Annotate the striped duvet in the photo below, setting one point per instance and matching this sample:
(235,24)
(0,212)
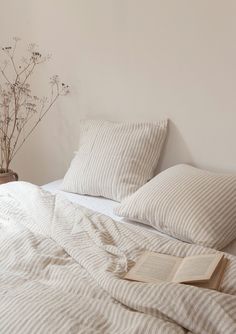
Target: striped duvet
(61,269)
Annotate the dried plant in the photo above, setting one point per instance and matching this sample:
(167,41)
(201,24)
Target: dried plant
(21,110)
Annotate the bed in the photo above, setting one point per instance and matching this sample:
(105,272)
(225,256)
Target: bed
(62,267)
(64,255)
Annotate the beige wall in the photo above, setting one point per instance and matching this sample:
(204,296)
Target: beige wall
(133,59)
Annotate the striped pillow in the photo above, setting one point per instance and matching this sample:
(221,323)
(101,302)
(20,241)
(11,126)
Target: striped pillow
(115,159)
(190,204)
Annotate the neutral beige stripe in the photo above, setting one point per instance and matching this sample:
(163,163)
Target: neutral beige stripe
(188,203)
(54,281)
(115,159)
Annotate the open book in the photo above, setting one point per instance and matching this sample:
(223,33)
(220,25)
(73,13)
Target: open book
(204,270)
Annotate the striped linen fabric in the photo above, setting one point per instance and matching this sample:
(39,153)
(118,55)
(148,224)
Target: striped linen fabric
(187,203)
(67,276)
(115,159)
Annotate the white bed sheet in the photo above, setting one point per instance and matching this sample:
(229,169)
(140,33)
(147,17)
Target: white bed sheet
(105,206)
(99,204)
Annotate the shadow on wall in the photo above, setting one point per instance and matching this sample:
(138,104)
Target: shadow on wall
(175,150)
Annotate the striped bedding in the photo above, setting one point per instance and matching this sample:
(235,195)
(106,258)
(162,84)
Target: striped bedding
(61,269)
(115,159)
(187,203)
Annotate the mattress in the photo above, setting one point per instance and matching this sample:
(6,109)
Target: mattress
(105,206)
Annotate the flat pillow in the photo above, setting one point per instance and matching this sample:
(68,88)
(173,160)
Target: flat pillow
(187,203)
(115,159)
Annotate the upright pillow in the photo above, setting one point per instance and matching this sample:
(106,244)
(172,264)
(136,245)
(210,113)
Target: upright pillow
(190,204)
(115,159)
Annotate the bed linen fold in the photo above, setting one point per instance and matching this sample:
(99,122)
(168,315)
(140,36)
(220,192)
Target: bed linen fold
(61,269)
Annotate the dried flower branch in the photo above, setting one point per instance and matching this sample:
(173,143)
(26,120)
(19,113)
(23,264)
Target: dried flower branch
(20,110)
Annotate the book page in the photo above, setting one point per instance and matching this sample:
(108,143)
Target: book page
(153,267)
(215,281)
(197,268)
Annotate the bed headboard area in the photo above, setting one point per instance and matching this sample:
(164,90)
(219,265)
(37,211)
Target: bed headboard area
(140,60)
